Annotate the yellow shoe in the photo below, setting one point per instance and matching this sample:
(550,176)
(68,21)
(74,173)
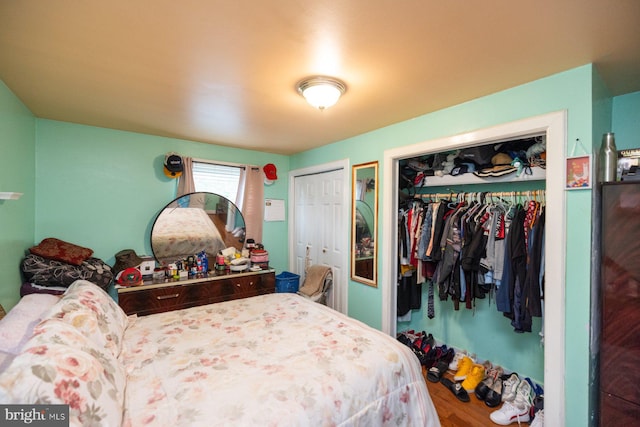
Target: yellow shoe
(464,367)
(474,377)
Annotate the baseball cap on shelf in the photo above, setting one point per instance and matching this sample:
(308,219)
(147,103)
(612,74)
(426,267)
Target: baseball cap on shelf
(173,166)
(270,173)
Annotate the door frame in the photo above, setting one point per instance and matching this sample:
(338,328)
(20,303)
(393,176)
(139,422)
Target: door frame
(554,125)
(343,165)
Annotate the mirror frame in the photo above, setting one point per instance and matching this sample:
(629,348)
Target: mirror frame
(369,262)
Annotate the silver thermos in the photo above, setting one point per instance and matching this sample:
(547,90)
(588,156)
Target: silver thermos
(609,157)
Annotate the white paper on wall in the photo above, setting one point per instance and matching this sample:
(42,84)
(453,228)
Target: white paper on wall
(274,210)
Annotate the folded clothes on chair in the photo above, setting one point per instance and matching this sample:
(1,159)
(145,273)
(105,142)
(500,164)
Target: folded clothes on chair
(314,280)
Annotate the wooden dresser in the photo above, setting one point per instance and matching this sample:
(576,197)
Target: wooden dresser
(620,295)
(160,297)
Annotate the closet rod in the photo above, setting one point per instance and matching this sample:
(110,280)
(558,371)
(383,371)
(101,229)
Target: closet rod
(458,195)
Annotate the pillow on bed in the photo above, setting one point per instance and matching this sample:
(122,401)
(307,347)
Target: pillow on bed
(94,313)
(59,365)
(61,251)
(17,326)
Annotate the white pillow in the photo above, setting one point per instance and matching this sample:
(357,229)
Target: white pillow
(60,365)
(17,326)
(92,312)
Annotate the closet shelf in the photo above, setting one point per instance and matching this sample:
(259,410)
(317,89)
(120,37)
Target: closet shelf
(537,174)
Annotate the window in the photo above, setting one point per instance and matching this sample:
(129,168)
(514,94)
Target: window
(216,178)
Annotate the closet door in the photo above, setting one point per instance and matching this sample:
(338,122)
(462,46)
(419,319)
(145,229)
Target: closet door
(620,288)
(320,226)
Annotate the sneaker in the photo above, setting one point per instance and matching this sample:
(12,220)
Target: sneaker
(510,413)
(538,420)
(524,398)
(494,395)
(474,377)
(453,365)
(485,385)
(464,367)
(457,357)
(509,387)
(425,342)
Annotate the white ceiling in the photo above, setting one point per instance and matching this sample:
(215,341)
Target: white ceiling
(224,71)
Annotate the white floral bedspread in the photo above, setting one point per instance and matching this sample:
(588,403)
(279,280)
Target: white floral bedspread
(180,232)
(271,360)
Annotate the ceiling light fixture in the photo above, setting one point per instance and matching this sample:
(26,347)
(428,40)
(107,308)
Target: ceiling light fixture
(321,92)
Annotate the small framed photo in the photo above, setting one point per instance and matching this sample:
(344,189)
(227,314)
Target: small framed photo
(578,172)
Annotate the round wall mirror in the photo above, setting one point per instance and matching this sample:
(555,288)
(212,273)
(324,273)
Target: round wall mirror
(194,223)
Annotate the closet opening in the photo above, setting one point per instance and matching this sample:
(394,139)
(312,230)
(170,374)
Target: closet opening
(433,156)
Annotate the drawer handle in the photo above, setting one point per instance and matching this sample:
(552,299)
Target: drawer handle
(161,297)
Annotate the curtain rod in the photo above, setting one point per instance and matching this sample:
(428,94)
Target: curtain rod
(216,162)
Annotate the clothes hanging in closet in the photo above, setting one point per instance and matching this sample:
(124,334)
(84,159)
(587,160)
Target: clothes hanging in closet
(469,248)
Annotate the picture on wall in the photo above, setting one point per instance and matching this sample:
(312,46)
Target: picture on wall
(578,172)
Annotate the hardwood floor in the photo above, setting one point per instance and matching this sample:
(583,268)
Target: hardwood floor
(454,413)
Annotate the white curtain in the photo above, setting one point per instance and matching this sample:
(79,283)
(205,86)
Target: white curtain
(250,201)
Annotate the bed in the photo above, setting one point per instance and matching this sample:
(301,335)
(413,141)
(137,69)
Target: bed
(271,360)
(182,232)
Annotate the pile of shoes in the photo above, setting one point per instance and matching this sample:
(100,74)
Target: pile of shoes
(522,401)
(424,347)
(519,400)
(468,376)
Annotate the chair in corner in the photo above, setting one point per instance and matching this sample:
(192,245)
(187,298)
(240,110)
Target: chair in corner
(317,283)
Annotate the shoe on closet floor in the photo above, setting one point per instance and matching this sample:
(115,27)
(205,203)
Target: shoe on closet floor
(437,370)
(433,355)
(510,413)
(456,389)
(516,410)
(509,387)
(464,367)
(425,342)
(482,389)
(474,377)
(459,355)
(494,394)
(538,420)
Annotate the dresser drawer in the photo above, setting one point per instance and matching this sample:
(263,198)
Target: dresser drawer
(157,300)
(245,286)
(145,300)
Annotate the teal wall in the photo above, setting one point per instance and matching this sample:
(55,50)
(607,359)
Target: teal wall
(571,91)
(626,120)
(102,188)
(17,174)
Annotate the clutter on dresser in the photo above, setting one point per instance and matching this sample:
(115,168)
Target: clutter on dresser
(132,269)
(54,264)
